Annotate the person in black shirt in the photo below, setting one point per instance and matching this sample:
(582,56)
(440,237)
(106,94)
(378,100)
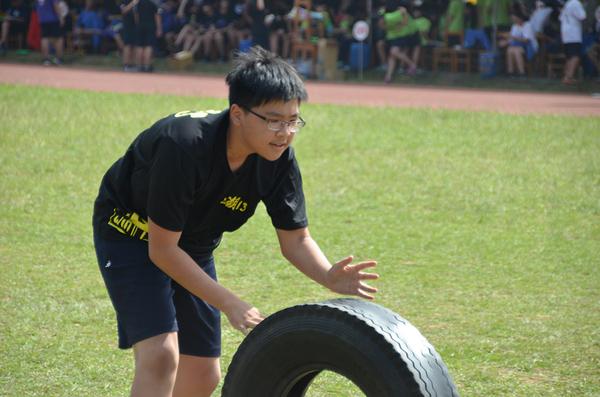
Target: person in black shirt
(255,12)
(148,27)
(127,7)
(163,207)
(15,22)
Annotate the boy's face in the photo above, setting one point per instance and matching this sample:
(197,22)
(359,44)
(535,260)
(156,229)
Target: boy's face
(262,141)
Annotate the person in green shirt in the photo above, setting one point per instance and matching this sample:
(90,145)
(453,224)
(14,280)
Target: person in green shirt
(456,16)
(505,8)
(424,25)
(402,33)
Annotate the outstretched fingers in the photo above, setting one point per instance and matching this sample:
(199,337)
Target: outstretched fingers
(364,290)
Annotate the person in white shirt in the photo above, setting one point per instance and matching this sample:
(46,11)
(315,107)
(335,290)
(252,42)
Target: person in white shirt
(540,17)
(521,43)
(571,18)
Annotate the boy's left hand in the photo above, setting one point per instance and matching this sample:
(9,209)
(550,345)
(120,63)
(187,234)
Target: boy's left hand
(348,279)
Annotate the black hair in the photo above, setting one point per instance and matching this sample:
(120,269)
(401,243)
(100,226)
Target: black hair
(520,15)
(471,18)
(393,5)
(261,77)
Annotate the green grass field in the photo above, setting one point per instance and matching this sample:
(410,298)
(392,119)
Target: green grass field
(486,228)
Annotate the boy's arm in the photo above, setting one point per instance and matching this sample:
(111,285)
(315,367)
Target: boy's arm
(177,264)
(181,9)
(302,251)
(158,21)
(129,7)
(61,17)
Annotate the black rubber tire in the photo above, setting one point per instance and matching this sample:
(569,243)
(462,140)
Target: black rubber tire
(376,349)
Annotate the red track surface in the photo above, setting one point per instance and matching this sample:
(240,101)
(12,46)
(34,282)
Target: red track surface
(318,92)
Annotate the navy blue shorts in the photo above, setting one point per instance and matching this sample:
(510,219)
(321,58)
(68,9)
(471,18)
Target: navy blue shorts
(145,35)
(149,303)
(52,29)
(573,50)
(410,41)
(129,35)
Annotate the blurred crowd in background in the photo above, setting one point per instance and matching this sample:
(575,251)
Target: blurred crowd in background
(405,36)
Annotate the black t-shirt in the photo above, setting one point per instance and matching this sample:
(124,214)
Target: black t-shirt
(260,33)
(22,12)
(177,173)
(222,20)
(128,19)
(146,10)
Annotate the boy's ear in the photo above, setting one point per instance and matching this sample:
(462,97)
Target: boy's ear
(236,113)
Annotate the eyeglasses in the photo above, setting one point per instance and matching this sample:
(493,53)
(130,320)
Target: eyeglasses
(276,125)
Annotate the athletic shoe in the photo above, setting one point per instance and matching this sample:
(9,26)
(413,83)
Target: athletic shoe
(386,81)
(570,81)
(400,70)
(47,62)
(381,68)
(129,68)
(58,62)
(411,69)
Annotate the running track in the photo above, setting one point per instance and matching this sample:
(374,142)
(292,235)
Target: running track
(318,92)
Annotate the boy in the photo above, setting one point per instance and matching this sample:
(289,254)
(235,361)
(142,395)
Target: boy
(571,18)
(148,28)
(162,210)
(52,23)
(127,7)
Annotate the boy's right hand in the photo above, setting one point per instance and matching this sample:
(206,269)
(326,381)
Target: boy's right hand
(243,316)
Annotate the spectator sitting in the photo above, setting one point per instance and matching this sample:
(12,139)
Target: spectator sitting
(520,6)
(16,21)
(504,9)
(540,18)
(206,25)
(113,28)
(455,20)
(593,54)
(169,21)
(193,29)
(474,33)
(89,22)
(571,18)
(241,25)
(356,11)
(402,32)
(221,31)
(343,34)
(521,43)
(76,7)
(424,25)
(279,28)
